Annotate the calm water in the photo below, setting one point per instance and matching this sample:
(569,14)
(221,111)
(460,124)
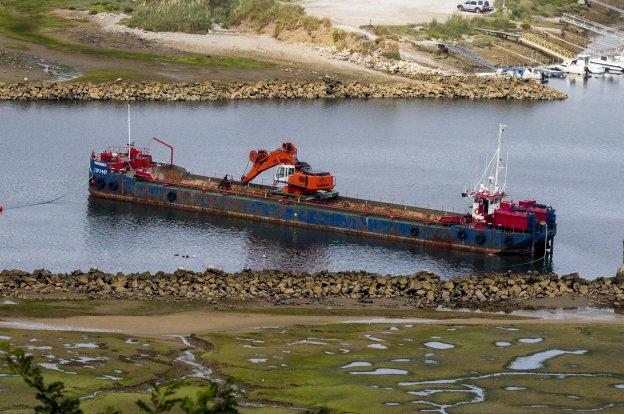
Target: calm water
(568,154)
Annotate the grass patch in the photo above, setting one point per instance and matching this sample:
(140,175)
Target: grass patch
(364,312)
(28,29)
(97,6)
(16,46)
(113,75)
(457,26)
(523,9)
(50,308)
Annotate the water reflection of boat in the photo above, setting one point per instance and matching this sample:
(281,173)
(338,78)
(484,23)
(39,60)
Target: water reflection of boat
(268,245)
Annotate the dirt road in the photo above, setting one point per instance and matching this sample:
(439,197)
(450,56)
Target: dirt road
(387,12)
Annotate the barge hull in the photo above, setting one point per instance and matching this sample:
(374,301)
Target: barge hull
(119,186)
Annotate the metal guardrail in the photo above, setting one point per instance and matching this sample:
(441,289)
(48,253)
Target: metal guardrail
(592,26)
(470,54)
(546,46)
(608,6)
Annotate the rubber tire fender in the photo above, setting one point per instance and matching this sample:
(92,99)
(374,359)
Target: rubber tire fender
(414,231)
(480,238)
(508,241)
(113,185)
(171,196)
(100,183)
(461,235)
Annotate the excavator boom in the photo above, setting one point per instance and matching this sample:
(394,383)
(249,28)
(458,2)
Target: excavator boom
(263,160)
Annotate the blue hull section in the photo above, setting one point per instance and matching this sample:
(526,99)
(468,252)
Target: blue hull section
(316,215)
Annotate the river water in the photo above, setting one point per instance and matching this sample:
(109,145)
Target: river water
(568,154)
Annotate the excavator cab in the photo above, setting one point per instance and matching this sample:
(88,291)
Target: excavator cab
(283,173)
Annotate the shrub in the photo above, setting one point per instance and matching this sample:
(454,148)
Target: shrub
(286,16)
(338,35)
(453,28)
(190,16)
(457,26)
(391,51)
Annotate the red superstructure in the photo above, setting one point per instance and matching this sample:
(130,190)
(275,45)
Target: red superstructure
(120,159)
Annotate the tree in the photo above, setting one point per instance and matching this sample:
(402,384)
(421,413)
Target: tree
(214,400)
(52,397)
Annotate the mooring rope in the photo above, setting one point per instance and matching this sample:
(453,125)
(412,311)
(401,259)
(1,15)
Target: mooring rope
(49,201)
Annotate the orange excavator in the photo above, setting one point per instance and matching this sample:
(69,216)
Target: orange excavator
(300,179)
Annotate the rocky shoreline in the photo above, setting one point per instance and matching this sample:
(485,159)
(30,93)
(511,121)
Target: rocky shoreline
(422,290)
(426,86)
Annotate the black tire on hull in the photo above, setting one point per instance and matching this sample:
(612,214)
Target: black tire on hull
(508,241)
(461,235)
(171,196)
(113,185)
(480,239)
(100,183)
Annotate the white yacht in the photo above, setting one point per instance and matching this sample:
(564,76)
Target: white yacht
(612,64)
(581,65)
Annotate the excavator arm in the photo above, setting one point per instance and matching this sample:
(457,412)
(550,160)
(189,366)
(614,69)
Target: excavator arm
(263,160)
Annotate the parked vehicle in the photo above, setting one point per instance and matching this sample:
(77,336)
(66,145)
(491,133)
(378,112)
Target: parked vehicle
(477,6)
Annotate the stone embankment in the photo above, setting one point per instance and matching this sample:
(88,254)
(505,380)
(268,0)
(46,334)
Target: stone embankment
(422,289)
(426,86)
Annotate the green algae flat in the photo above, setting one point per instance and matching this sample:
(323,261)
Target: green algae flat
(302,366)
(299,366)
(87,362)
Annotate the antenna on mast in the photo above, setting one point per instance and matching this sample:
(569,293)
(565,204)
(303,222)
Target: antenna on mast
(498,154)
(506,166)
(130,143)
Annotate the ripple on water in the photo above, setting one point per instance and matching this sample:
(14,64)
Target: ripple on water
(372,338)
(619,386)
(514,388)
(530,340)
(502,344)
(438,345)
(257,360)
(377,346)
(356,364)
(87,345)
(381,371)
(309,341)
(536,361)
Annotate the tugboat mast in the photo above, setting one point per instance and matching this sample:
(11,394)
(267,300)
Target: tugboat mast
(498,156)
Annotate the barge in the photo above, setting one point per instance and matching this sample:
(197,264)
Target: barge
(304,197)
